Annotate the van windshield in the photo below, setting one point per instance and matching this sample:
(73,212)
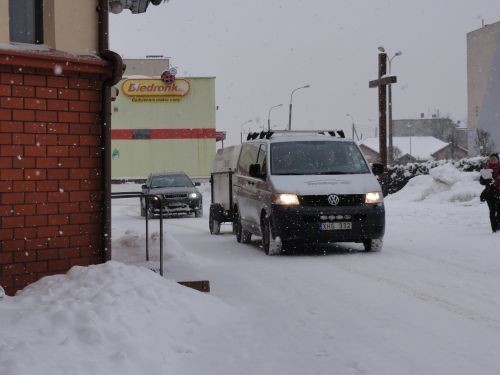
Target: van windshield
(317,158)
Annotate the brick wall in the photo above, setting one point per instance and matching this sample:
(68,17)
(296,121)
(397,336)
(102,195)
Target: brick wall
(51,168)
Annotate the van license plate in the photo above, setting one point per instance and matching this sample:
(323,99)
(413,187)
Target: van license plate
(341,225)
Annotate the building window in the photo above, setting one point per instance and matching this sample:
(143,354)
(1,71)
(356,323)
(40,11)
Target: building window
(26,21)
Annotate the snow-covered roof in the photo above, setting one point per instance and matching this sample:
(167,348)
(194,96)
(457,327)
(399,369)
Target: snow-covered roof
(421,147)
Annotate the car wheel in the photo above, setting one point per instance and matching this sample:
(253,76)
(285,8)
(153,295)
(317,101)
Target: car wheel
(213,224)
(373,245)
(270,245)
(151,213)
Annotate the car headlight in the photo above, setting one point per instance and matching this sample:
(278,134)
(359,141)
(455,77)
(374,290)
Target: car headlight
(374,197)
(193,195)
(286,199)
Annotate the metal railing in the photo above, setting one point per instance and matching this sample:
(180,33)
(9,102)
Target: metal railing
(147,198)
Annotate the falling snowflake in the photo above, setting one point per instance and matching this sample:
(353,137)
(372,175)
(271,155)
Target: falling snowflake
(58,70)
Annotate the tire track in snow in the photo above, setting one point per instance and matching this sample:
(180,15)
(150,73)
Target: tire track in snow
(427,297)
(459,266)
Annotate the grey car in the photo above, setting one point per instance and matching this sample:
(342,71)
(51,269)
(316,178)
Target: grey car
(176,193)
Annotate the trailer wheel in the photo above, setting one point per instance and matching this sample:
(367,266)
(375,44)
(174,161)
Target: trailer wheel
(213,224)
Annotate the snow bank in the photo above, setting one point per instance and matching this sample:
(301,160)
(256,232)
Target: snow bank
(105,319)
(132,241)
(443,184)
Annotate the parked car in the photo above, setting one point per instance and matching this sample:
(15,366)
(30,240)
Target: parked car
(296,188)
(175,192)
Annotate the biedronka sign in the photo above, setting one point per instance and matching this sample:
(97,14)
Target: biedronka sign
(155,90)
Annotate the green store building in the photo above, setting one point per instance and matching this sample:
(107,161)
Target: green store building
(158,126)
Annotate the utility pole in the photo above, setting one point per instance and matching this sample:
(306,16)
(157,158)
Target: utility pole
(389,87)
(381,84)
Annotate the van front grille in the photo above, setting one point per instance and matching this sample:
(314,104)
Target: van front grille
(322,200)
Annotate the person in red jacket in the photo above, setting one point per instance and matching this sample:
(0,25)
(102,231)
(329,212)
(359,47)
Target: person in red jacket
(490,177)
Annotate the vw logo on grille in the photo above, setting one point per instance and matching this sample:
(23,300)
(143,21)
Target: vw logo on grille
(333,199)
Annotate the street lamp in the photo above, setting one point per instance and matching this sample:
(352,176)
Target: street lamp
(353,127)
(241,129)
(409,127)
(269,116)
(374,125)
(389,102)
(290,109)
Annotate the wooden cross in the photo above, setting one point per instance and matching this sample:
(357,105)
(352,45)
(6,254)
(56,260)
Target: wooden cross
(381,83)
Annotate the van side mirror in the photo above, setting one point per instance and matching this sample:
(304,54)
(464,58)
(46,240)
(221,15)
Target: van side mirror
(144,186)
(197,184)
(255,171)
(377,169)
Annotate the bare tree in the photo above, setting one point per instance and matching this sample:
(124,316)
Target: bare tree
(397,153)
(483,142)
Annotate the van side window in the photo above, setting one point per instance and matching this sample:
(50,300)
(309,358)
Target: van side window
(248,156)
(261,158)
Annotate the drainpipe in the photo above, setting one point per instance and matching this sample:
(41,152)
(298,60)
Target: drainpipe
(117,64)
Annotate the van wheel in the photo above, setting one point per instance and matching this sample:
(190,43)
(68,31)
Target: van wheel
(213,224)
(373,245)
(270,246)
(242,235)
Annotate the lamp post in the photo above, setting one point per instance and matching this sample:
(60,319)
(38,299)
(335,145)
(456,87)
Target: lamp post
(290,109)
(241,129)
(389,103)
(374,125)
(269,116)
(409,127)
(353,127)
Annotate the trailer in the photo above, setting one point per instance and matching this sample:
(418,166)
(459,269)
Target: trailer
(221,183)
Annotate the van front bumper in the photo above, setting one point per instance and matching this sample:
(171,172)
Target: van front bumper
(301,224)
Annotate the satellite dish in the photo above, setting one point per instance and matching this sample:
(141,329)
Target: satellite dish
(172,71)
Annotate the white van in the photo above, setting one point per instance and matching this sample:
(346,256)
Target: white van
(295,188)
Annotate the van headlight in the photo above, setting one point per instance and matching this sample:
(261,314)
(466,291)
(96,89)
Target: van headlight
(374,197)
(285,199)
(193,195)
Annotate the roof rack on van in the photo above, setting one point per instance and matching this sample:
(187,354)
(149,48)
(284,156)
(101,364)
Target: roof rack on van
(269,134)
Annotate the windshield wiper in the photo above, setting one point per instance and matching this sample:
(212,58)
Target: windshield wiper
(333,172)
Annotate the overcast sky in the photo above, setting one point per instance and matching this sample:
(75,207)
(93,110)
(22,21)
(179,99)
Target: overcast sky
(260,50)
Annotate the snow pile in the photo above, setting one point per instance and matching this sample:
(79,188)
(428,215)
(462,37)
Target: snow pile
(106,319)
(132,241)
(443,184)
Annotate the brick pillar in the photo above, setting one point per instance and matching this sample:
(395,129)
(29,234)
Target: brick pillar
(51,165)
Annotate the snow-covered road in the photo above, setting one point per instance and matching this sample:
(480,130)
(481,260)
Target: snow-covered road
(427,304)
